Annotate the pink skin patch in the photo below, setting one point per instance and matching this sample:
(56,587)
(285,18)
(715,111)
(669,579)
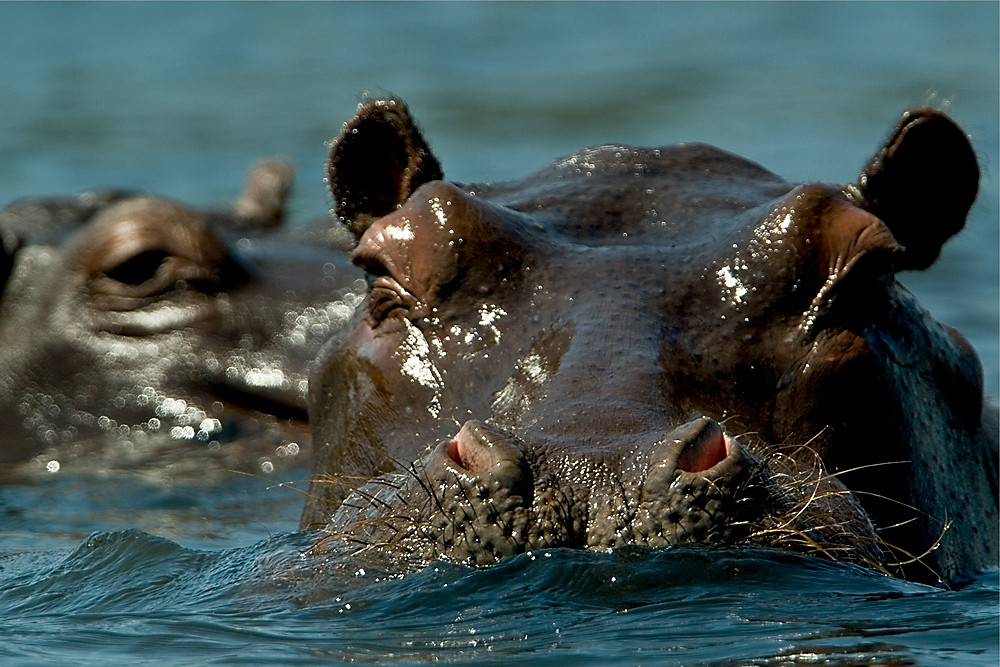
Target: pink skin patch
(470,454)
(704,452)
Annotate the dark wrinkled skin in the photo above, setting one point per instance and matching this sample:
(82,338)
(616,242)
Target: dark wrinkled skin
(547,362)
(133,318)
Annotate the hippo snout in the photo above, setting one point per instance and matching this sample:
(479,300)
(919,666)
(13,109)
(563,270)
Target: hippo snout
(485,494)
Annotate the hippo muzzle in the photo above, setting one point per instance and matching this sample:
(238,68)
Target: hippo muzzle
(485,495)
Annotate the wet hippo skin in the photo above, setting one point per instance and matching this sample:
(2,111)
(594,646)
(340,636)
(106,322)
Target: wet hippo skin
(131,318)
(652,346)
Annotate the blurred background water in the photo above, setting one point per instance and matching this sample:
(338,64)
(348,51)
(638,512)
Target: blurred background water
(181,99)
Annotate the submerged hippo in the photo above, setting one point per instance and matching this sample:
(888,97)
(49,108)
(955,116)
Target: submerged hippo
(137,318)
(652,346)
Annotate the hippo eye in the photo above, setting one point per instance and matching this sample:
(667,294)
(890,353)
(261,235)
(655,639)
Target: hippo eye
(139,269)
(152,278)
(150,274)
(390,301)
(147,265)
(856,301)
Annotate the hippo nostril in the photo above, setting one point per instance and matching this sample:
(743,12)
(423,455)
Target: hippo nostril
(466,457)
(469,452)
(703,454)
(705,450)
(482,456)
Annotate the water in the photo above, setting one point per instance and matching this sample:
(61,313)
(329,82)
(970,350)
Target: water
(129,594)
(182,99)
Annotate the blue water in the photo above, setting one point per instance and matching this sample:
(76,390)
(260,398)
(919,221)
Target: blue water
(129,566)
(125,595)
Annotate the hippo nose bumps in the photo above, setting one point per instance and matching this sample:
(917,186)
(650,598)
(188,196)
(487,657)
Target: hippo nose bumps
(483,487)
(690,485)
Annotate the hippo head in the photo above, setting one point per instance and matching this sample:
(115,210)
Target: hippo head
(649,346)
(136,318)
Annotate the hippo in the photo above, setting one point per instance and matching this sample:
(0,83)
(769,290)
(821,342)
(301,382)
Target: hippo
(651,347)
(133,318)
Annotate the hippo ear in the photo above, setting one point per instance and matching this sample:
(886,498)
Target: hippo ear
(377,162)
(921,184)
(262,201)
